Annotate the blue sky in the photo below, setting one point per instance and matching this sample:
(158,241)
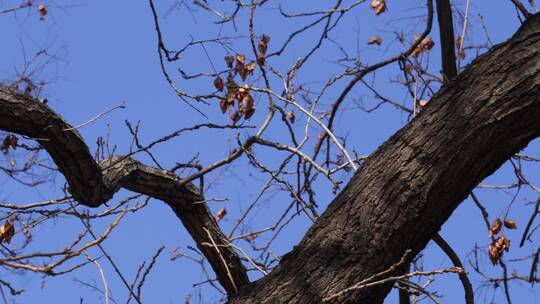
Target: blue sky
(105,53)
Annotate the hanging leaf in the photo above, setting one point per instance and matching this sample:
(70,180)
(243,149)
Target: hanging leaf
(495,228)
(251,67)
(291,116)
(510,224)
(240,60)
(249,112)
(261,59)
(7,230)
(223,105)
(229,60)
(425,46)
(42,12)
(221,213)
(408,69)
(235,117)
(244,73)
(379,6)
(497,248)
(375,40)
(251,236)
(263,44)
(218,83)
(10,141)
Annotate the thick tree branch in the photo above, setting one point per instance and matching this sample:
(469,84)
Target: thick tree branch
(93,184)
(405,191)
(446,34)
(467,286)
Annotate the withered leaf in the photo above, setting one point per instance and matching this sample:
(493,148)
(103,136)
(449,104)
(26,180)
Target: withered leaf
(229,60)
(375,40)
(10,141)
(249,112)
(261,59)
(408,69)
(251,67)
(221,213)
(7,230)
(240,64)
(251,236)
(224,105)
(243,73)
(263,44)
(218,83)
(510,224)
(494,253)
(291,116)
(495,250)
(246,101)
(42,11)
(235,117)
(425,46)
(379,6)
(495,228)
(240,59)
(319,140)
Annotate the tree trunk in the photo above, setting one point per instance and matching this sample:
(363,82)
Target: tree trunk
(407,189)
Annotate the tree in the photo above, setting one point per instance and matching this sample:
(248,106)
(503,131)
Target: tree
(392,206)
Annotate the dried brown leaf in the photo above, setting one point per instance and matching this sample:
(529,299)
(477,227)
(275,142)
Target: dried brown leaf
(494,253)
(251,236)
(510,224)
(224,105)
(10,141)
(375,3)
(375,40)
(240,64)
(221,213)
(218,83)
(495,228)
(7,230)
(251,67)
(229,60)
(380,8)
(235,117)
(261,59)
(42,11)
(263,44)
(249,112)
(291,116)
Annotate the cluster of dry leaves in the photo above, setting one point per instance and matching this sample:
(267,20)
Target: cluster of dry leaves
(501,243)
(244,106)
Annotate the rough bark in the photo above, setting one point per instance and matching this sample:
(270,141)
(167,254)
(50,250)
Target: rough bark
(93,184)
(408,188)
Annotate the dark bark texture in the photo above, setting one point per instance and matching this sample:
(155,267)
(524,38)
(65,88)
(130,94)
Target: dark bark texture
(407,189)
(446,35)
(397,200)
